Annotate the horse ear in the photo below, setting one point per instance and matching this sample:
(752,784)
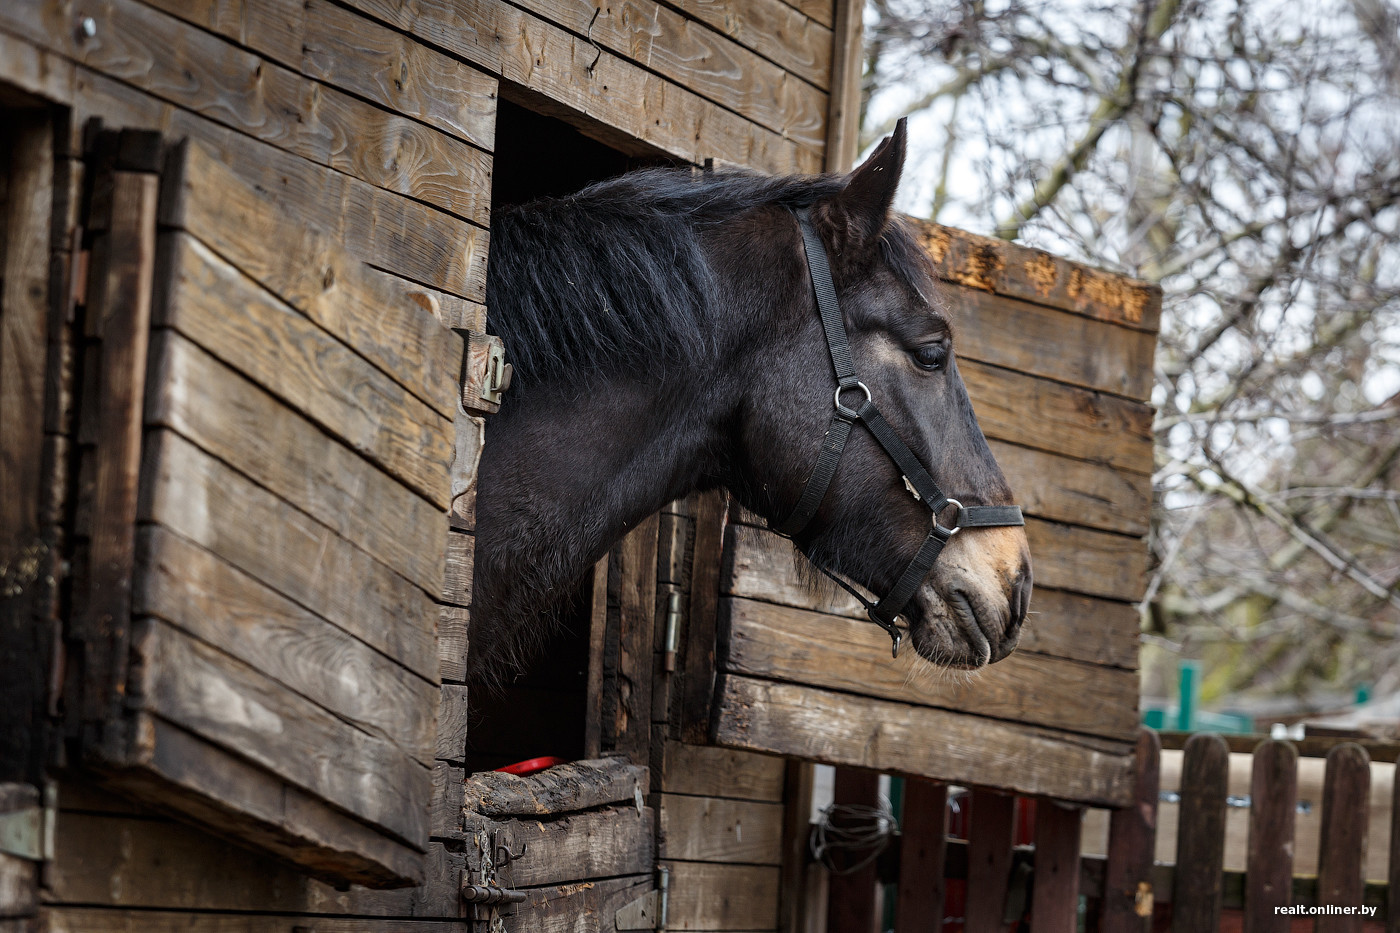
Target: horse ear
(863,206)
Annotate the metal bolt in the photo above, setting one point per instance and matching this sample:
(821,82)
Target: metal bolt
(87,27)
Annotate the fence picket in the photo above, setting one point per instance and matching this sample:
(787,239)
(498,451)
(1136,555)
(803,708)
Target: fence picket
(923,830)
(1200,845)
(1392,907)
(1341,879)
(1055,899)
(1273,795)
(1132,838)
(988,860)
(851,896)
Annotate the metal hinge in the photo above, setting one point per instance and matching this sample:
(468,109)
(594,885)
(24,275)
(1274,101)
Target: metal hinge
(27,831)
(647,912)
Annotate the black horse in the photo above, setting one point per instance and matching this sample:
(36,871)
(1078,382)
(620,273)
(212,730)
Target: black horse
(665,338)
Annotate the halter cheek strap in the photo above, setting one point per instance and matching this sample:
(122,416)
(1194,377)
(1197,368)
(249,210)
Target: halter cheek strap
(916,479)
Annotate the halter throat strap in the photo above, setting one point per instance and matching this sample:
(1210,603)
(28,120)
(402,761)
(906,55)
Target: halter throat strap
(916,479)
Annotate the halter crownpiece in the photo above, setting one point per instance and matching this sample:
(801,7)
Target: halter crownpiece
(916,479)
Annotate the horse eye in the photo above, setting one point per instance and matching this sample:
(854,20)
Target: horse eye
(931,356)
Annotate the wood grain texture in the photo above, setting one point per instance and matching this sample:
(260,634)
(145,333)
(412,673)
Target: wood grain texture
(843,114)
(104,920)
(1200,846)
(239,708)
(773,29)
(176,772)
(698,670)
(1341,856)
(1132,837)
(1015,334)
(1076,492)
(452,724)
(275,28)
(198,71)
(764,567)
(697,58)
(1273,808)
(457,575)
(230,417)
(713,829)
(605,90)
(225,313)
(452,643)
(627,680)
(391,232)
(376,316)
(1034,275)
(211,600)
(988,860)
(572,848)
(923,829)
(204,501)
(851,891)
(834,728)
(820,11)
(1072,422)
(721,772)
(846,655)
(578,785)
(581,905)
(711,896)
(1055,901)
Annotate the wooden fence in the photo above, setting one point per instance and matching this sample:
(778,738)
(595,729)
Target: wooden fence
(1005,863)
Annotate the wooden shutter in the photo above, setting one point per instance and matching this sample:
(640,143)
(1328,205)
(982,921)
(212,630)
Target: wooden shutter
(1057,360)
(264,487)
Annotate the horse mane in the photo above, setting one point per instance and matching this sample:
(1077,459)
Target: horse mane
(614,277)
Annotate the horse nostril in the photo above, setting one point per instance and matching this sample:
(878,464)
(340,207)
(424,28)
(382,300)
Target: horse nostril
(1020,600)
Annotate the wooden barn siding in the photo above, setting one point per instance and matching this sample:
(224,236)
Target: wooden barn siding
(376,124)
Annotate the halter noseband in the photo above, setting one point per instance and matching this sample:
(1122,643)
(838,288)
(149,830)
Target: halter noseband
(916,479)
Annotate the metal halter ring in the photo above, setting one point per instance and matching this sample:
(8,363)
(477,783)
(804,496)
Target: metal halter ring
(843,410)
(949,532)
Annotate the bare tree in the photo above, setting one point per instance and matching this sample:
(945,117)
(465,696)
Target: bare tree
(1246,155)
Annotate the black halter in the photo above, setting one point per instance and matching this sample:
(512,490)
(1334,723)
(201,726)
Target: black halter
(916,479)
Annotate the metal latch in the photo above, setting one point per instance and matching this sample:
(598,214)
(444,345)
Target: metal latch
(647,912)
(27,830)
(673,630)
(488,375)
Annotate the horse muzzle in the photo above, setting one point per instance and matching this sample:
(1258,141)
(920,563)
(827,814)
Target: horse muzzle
(971,610)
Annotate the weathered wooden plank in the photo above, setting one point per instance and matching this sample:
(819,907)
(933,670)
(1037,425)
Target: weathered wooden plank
(447,807)
(1034,275)
(452,643)
(628,680)
(764,567)
(713,829)
(199,498)
(1392,905)
(224,312)
(581,905)
(275,28)
(804,722)
(120,313)
(1055,901)
(846,655)
(616,99)
(1077,492)
(239,708)
(850,903)
(1015,334)
(35,70)
(201,72)
(1072,422)
(817,10)
(721,772)
(597,645)
(192,589)
(577,847)
(358,55)
(230,417)
(695,57)
(372,313)
(106,920)
(774,30)
(1132,839)
(698,673)
(1200,845)
(578,785)
(1341,858)
(923,829)
(1082,628)
(115,861)
(843,116)
(452,723)
(711,896)
(1273,807)
(177,772)
(988,860)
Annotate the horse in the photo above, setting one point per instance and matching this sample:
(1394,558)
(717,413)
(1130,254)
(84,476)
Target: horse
(666,335)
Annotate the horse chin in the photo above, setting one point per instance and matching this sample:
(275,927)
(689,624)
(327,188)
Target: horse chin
(945,631)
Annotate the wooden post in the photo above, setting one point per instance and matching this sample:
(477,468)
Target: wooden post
(632,589)
(923,834)
(697,671)
(1200,845)
(851,896)
(1273,795)
(1341,857)
(843,108)
(988,860)
(797,830)
(1132,840)
(1392,907)
(1055,902)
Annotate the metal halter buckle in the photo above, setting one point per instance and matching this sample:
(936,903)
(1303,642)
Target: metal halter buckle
(842,409)
(949,532)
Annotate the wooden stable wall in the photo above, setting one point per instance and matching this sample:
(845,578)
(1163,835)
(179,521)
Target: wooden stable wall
(373,121)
